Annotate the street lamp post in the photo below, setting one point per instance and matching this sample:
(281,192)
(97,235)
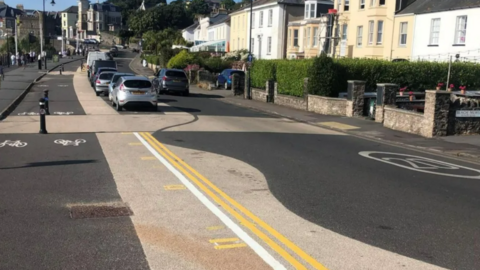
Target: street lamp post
(250,56)
(8,51)
(44,32)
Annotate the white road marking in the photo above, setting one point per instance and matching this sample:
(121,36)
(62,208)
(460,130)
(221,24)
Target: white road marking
(28,113)
(77,142)
(17,143)
(63,113)
(256,247)
(420,164)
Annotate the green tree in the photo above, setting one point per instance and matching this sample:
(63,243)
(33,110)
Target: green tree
(181,60)
(323,77)
(228,4)
(198,7)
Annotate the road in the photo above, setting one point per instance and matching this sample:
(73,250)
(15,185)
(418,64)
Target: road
(214,186)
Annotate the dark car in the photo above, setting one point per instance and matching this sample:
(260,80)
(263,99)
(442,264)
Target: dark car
(99,64)
(114,51)
(171,80)
(225,78)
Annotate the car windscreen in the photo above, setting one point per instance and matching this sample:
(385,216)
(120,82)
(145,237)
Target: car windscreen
(106,70)
(137,84)
(100,64)
(106,76)
(174,73)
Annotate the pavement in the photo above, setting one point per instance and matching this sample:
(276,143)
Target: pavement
(206,184)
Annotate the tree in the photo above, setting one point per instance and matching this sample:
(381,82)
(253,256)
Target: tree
(228,4)
(181,60)
(199,7)
(323,77)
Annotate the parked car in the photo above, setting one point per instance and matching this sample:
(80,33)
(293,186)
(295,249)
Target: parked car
(225,78)
(92,56)
(120,46)
(102,81)
(171,80)
(135,50)
(98,64)
(114,79)
(97,75)
(134,90)
(114,51)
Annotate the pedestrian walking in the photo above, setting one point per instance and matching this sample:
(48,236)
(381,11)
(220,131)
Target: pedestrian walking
(12,58)
(17,58)
(23,59)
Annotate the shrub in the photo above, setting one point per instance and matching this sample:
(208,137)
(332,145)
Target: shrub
(181,60)
(323,77)
(290,75)
(166,54)
(262,71)
(216,64)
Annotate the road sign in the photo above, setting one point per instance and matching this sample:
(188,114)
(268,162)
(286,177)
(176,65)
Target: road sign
(467,113)
(250,58)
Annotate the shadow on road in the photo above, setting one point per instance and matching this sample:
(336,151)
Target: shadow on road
(52,163)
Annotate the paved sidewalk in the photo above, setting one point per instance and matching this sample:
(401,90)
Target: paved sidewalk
(136,66)
(17,79)
(460,146)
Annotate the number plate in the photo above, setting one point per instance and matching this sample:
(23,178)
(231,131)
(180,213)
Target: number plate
(137,92)
(108,83)
(176,81)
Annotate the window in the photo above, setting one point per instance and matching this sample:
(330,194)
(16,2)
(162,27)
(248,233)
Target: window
(253,20)
(1,24)
(289,41)
(434,31)
(269,45)
(403,33)
(270,17)
(295,38)
(238,43)
(344,31)
(372,3)
(234,45)
(241,44)
(346,6)
(315,36)
(382,2)
(308,38)
(307,10)
(260,24)
(461,30)
(253,44)
(371,25)
(359,36)
(312,10)
(304,37)
(64,15)
(379,32)
(362,4)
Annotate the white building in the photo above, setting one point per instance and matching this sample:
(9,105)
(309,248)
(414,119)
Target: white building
(269,31)
(445,28)
(188,33)
(97,17)
(69,22)
(212,33)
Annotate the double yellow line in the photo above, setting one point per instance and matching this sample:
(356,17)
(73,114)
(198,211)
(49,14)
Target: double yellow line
(207,186)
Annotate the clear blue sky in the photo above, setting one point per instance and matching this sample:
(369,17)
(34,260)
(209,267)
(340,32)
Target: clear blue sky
(38,4)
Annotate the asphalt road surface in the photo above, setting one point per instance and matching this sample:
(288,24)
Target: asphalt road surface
(417,213)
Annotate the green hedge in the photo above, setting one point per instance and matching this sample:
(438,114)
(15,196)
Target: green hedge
(262,71)
(290,75)
(216,64)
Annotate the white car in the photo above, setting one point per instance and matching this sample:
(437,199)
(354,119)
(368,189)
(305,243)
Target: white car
(134,90)
(120,46)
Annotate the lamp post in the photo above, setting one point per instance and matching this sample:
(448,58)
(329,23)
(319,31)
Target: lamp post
(250,56)
(8,51)
(43,33)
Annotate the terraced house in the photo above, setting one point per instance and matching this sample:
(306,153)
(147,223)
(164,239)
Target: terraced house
(370,28)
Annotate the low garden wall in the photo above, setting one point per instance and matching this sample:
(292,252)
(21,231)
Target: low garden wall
(327,105)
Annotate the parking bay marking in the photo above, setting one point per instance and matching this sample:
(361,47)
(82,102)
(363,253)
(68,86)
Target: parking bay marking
(420,164)
(235,243)
(174,187)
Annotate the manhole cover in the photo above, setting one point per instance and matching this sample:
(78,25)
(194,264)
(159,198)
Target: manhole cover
(99,210)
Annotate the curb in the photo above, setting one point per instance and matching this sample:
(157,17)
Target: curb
(462,155)
(20,97)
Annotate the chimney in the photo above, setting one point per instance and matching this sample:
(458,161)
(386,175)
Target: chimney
(222,9)
(20,6)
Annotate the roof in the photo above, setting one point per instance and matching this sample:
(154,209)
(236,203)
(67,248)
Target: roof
(7,11)
(218,19)
(264,2)
(191,27)
(71,9)
(105,7)
(431,6)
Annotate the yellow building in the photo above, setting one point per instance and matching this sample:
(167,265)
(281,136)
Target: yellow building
(369,28)
(239,30)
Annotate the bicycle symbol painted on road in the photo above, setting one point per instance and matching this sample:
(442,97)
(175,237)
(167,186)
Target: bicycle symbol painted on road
(423,164)
(28,113)
(77,142)
(13,143)
(63,113)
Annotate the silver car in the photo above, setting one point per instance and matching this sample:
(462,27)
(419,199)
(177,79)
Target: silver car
(171,80)
(134,90)
(102,82)
(114,79)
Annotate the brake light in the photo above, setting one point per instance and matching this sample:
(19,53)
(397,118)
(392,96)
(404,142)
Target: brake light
(98,81)
(166,79)
(88,66)
(230,76)
(121,87)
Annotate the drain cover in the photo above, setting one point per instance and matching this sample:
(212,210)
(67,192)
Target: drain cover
(100,210)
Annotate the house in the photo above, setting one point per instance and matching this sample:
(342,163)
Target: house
(94,18)
(212,32)
(7,20)
(188,33)
(69,22)
(367,28)
(441,30)
(239,31)
(308,37)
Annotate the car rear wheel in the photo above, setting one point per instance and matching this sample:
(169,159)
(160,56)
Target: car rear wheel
(217,85)
(226,86)
(186,93)
(118,107)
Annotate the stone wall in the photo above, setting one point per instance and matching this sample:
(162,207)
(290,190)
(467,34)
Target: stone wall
(327,105)
(259,94)
(463,125)
(290,101)
(406,121)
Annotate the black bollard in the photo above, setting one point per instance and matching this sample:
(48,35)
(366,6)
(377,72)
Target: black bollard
(39,64)
(60,71)
(47,105)
(43,124)
(63,69)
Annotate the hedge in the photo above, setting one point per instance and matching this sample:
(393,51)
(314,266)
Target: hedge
(290,75)
(416,76)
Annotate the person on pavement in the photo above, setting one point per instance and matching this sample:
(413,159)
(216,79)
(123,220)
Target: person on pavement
(13,59)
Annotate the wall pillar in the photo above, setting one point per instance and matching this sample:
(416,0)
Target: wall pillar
(386,96)
(355,99)
(437,107)
(305,92)
(270,90)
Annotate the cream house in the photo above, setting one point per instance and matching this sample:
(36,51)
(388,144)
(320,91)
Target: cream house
(212,33)
(69,22)
(369,28)
(239,30)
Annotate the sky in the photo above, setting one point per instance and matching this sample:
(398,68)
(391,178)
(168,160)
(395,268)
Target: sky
(38,4)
